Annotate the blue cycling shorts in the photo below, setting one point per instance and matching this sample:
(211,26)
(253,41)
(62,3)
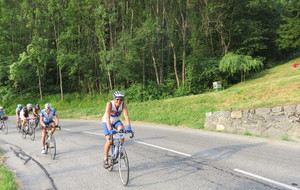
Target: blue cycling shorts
(115,126)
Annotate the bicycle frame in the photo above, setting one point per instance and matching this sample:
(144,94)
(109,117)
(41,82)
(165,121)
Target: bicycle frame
(119,155)
(50,141)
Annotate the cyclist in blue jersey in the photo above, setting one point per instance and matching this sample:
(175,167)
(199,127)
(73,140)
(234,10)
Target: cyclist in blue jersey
(111,121)
(2,115)
(2,112)
(46,119)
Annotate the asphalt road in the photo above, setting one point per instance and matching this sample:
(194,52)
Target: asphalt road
(161,157)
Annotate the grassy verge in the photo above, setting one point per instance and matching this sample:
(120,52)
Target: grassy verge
(7,181)
(277,86)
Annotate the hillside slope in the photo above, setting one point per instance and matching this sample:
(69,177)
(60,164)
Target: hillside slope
(277,86)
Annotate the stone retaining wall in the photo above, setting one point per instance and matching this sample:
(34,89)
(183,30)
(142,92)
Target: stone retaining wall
(278,122)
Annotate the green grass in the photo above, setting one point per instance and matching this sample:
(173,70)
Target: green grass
(7,181)
(285,138)
(272,87)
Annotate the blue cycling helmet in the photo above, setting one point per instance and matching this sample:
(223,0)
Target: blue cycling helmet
(29,105)
(20,106)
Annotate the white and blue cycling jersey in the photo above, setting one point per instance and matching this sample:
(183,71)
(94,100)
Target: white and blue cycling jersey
(2,113)
(47,118)
(114,113)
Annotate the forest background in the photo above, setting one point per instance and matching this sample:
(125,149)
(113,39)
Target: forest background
(152,49)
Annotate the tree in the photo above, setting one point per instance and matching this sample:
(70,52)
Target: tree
(290,31)
(234,63)
(38,55)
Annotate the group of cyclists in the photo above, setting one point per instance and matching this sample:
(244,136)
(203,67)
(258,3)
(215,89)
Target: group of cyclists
(47,119)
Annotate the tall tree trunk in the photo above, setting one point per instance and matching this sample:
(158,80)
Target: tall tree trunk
(40,83)
(107,67)
(56,34)
(183,25)
(184,39)
(175,64)
(155,66)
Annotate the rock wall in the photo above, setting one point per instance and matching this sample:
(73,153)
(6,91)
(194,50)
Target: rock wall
(278,122)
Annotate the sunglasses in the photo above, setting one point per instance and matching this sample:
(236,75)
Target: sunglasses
(119,99)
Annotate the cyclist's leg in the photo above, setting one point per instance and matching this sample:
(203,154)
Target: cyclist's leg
(52,126)
(23,119)
(44,131)
(108,142)
(120,126)
(106,146)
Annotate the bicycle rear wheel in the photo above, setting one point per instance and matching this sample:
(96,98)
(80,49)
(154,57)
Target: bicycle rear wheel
(19,126)
(110,163)
(51,147)
(24,131)
(5,128)
(123,167)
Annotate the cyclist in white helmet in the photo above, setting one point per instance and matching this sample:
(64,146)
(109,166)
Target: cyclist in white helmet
(46,119)
(24,114)
(18,111)
(111,121)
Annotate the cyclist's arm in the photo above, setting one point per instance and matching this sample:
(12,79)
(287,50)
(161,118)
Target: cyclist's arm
(126,115)
(107,112)
(34,112)
(22,114)
(56,119)
(42,121)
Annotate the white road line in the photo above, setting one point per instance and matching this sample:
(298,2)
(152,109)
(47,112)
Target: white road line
(87,132)
(162,148)
(188,155)
(266,179)
(66,129)
(147,144)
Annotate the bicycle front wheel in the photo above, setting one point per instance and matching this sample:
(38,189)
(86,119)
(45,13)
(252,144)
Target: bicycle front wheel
(51,147)
(123,167)
(32,132)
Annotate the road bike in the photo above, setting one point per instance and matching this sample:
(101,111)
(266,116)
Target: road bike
(29,129)
(50,144)
(37,121)
(3,125)
(119,156)
(19,125)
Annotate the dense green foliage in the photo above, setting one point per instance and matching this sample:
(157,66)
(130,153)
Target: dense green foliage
(152,49)
(270,87)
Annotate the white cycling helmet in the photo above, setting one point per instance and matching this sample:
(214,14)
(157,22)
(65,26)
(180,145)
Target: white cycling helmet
(1,108)
(118,94)
(29,105)
(48,106)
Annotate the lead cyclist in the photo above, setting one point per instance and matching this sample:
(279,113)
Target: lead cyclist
(111,121)
(46,118)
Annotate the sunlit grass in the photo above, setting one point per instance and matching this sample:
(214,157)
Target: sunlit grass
(7,181)
(277,86)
